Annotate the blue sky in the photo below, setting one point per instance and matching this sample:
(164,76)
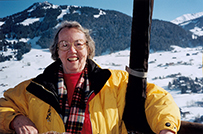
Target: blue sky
(163,9)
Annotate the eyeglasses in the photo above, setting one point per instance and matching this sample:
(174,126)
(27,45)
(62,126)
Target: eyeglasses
(65,45)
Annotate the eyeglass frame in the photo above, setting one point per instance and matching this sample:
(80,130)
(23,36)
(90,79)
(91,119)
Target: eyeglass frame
(71,44)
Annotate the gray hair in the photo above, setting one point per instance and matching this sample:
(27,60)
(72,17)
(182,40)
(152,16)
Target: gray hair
(73,24)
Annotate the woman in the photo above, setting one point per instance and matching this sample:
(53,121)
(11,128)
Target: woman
(75,95)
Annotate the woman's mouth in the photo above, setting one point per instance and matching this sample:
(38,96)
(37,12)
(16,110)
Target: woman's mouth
(73,59)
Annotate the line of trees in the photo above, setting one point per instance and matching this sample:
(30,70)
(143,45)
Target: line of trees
(18,48)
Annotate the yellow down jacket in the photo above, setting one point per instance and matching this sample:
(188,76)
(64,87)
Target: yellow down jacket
(37,99)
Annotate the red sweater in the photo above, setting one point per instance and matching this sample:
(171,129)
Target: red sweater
(71,81)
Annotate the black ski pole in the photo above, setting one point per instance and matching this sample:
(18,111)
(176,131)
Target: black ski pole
(134,112)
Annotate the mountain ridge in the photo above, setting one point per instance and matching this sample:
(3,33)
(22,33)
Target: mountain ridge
(187,17)
(191,22)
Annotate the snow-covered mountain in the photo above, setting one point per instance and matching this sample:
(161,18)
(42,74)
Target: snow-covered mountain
(192,22)
(110,29)
(187,17)
(41,20)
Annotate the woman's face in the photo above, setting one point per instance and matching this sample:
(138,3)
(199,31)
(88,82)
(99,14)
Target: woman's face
(73,59)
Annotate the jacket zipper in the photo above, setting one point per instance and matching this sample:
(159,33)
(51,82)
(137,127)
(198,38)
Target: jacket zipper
(88,108)
(90,94)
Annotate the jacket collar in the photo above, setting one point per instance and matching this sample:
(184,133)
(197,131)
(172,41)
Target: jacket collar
(44,86)
(97,76)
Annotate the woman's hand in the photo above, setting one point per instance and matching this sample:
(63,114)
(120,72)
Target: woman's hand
(23,125)
(166,132)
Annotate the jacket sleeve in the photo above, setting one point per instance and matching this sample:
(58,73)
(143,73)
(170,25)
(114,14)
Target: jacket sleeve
(161,110)
(13,104)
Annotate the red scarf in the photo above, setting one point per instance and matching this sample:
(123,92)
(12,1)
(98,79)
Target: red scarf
(73,116)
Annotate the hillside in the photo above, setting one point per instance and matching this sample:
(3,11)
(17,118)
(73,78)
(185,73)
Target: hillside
(108,28)
(111,30)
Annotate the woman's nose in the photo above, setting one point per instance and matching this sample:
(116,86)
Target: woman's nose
(72,49)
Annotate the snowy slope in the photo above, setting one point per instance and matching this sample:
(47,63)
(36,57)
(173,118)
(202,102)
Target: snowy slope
(34,62)
(13,72)
(186,18)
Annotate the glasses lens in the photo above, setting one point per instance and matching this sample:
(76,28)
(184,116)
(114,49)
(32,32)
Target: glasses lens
(64,45)
(79,45)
